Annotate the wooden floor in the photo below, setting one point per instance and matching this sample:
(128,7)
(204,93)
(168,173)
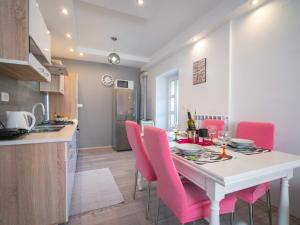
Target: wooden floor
(132,212)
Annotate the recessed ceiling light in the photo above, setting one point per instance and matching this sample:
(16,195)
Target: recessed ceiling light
(254,2)
(69,35)
(140,2)
(194,39)
(64,11)
(48,32)
(46,49)
(81,54)
(71,50)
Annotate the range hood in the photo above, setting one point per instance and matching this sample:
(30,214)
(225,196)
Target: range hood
(57,68)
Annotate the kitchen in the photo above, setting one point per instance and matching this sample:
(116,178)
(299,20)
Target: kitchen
(67,66)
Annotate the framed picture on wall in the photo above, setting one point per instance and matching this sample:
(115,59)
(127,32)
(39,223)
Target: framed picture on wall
(199,71)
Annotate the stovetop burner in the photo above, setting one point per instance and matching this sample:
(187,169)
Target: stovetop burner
(56,122)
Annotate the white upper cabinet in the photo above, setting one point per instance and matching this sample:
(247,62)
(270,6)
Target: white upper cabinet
(38,30)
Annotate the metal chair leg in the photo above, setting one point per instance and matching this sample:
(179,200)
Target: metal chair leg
(269,206)
(135,184)
(148,201)
(231,218)
(250,214)
(157,214)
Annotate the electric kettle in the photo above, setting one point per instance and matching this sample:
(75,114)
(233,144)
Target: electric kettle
(19,119)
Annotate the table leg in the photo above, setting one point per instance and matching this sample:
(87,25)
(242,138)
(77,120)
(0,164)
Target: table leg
(216,193)
(214,213)
(284,211)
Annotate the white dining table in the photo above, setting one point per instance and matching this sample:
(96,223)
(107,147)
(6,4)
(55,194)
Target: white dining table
(240,172)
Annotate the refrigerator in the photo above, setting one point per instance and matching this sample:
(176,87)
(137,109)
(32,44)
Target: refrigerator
(124,108)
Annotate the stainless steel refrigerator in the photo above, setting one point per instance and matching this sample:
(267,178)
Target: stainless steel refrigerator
(124,108)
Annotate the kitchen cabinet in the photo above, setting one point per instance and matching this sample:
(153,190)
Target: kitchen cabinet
(71,169)
(24,41)
(37,180)
(57,85)
(66,104)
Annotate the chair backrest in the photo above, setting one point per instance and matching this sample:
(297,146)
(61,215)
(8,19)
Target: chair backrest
(143,163)
(218,124)
(144,123)
(261,133)
(169,185)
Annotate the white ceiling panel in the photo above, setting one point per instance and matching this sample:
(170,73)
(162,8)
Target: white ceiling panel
(141,30)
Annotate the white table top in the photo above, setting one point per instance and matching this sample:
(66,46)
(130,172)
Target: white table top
(241,166)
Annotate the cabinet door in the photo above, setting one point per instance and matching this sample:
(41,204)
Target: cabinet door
(71,169)
(14,44)
(57,85)
(38,30)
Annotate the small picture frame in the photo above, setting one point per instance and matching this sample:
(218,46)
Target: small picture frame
(199,71)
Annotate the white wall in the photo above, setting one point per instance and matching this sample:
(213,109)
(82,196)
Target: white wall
(202,97)
(265,77)
(161,102)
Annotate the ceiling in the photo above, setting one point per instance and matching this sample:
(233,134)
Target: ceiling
(141,30)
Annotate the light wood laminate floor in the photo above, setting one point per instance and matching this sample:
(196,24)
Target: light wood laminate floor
(132,212)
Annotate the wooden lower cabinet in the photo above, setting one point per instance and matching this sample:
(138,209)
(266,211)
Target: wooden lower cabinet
(36,182)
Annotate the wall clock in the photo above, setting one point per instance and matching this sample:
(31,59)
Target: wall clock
(107,80)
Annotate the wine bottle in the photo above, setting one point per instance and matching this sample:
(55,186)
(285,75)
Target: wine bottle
(190,122)
(196,120)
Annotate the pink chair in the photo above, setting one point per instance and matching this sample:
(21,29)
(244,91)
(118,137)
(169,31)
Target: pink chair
(218,124)
(263,136)
(142,161)
(187,201)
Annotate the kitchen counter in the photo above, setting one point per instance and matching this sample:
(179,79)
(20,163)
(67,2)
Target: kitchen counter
(64,135)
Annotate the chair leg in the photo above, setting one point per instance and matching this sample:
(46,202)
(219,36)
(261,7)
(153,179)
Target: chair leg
(269,207)
(148,201)
(250,214)
(135,184)
(231,218)
(157,214)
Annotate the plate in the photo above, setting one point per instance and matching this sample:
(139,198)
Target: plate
(238,141)
(189,149)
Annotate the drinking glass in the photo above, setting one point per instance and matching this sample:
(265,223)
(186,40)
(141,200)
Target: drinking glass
(212,132)
(223,137)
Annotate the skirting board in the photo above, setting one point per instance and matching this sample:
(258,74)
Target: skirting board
(96,148)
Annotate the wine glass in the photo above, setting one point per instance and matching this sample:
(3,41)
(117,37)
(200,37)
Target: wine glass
(212,130)
(223,137)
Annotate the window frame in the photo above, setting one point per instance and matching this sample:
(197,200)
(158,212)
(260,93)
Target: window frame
(176,102)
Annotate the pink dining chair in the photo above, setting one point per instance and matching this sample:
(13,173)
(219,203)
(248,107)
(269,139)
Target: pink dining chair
(187,201)
(218,124)
(263,136)
(142,162)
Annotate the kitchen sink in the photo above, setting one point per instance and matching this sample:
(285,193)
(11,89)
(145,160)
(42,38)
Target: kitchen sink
(47,128)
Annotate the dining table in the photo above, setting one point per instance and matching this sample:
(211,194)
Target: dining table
(242,171)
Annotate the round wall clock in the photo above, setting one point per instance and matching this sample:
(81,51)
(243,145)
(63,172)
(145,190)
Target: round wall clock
(107,80)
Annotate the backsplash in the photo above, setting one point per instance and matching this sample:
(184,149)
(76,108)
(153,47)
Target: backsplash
(22,96)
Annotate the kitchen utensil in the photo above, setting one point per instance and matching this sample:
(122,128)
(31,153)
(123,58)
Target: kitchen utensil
(19,119)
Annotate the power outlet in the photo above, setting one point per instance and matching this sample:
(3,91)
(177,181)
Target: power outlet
(4,97)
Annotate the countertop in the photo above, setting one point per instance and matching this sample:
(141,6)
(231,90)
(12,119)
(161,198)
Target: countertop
(64,135)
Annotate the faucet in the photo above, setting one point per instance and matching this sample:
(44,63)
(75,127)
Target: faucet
(37,104)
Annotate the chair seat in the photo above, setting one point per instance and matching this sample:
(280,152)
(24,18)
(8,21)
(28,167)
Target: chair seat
(250,195)
(199,203)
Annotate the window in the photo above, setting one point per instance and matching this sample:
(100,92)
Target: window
(173,102)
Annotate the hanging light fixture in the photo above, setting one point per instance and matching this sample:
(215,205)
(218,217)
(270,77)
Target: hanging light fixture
(114,58)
